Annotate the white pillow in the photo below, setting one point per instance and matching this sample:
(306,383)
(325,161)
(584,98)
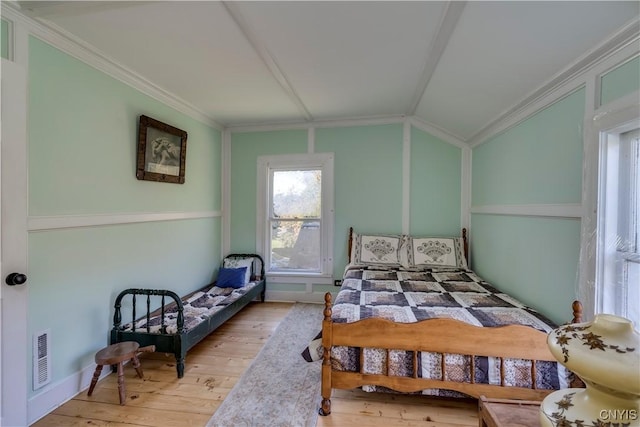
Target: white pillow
(239,263)
(435,252)
(376,249)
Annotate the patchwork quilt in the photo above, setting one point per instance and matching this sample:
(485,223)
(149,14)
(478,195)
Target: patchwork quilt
(198,307)
(407,296)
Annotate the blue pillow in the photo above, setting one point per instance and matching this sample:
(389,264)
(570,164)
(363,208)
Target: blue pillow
(231,277)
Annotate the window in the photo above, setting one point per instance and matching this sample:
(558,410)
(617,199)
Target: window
(295,214)
(618,278)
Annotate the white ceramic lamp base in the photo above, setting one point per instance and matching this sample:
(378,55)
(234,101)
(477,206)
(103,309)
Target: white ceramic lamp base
(605,354)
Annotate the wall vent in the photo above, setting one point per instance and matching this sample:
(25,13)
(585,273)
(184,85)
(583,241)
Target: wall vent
(41,359)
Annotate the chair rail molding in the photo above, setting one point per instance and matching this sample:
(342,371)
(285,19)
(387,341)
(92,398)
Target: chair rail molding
(565,210)
(44,223)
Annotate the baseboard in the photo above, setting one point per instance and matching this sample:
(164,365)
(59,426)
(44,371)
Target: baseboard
(60,392)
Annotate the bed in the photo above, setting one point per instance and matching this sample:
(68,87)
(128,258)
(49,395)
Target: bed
(411,317)
(179,323)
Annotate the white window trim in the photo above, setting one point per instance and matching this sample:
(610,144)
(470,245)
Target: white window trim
(609,265)
(615,118)
(323,161)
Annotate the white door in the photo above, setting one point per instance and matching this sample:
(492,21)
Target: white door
(13,245)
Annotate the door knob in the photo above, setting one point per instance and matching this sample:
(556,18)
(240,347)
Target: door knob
(14,279)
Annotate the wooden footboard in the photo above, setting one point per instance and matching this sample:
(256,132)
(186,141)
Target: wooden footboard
(445,336)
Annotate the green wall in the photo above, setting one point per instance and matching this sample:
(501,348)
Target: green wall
(368,181)
(525,164)
(620,81)
(368,175)
(245,150)
(436,173)
(76,274)
(539,161)
(82,151)
(82,147)
(4,39)
(82,133)
(532,259)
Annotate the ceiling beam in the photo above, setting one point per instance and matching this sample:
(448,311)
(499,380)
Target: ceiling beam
(446,26)
(268,59)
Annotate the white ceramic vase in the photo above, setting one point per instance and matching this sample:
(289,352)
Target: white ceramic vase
(605,354)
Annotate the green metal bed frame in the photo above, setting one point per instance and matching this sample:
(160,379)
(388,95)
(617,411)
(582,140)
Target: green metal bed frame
(182,341)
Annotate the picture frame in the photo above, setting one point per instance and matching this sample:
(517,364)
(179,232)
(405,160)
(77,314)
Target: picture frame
(162,151)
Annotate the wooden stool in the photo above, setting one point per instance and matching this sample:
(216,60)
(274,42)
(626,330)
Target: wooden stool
(116,354)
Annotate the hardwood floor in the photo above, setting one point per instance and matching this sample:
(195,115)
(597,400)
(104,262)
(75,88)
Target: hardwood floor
(212,369)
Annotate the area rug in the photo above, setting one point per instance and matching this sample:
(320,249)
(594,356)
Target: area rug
(280,388)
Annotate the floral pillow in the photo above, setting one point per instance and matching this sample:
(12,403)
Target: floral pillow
(435,252)
(376,249)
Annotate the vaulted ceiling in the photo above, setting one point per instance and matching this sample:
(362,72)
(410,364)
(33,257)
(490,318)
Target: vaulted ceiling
(456,66)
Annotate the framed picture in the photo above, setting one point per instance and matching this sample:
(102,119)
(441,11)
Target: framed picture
(162,152)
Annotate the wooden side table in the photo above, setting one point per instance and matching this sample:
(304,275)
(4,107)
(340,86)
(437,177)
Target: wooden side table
(116,354)
(508,413)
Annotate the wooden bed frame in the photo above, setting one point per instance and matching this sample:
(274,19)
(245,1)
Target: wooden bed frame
(180,342)
(432,335)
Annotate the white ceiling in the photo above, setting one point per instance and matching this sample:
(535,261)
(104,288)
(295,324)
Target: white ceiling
(457,66)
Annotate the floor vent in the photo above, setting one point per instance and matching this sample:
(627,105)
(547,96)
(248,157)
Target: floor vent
(41,359)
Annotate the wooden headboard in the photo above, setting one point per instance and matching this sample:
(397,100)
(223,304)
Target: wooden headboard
(464,241)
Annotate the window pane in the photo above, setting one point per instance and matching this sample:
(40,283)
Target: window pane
(633,293)
(618,286)
(295,245)
(295,219)
(297,194)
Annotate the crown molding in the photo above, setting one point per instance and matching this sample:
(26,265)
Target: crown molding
(363,121)
(438,132)
(566,81)
(90,55)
